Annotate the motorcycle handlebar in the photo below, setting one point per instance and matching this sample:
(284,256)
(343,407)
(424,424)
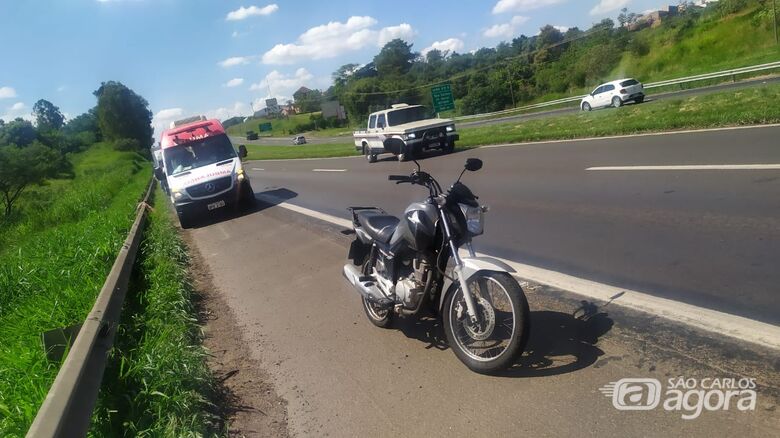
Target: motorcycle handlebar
(398,178)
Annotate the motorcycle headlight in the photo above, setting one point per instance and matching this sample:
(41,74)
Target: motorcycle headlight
(450,128)
(475,219)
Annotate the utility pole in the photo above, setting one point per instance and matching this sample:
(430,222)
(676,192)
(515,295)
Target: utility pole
(774,20)
(511,89)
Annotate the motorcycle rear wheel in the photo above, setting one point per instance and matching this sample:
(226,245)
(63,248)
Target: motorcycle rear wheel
(499,340)
(382,318)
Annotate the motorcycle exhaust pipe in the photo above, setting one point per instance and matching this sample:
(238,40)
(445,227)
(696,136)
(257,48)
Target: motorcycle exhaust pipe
(364,285)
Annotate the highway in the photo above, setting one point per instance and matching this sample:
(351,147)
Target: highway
(706,237)
(303,334)
(570,109)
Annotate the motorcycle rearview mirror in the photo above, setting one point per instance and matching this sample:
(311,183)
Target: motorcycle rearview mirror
(473,164)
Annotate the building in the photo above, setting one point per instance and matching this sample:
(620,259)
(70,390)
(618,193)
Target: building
(333,108)
(654,18)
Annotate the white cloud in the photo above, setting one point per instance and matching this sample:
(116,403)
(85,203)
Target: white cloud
(243,13)
(403,31)
(234,61)
(506,30)
(235,82)
(282,85)
(449,45)
(335,38)
(19,109)
(163,118)
(7,93)
(222,113)
(504,6)
(606,6)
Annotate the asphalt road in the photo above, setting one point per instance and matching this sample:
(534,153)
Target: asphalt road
(280,275)
(705,237)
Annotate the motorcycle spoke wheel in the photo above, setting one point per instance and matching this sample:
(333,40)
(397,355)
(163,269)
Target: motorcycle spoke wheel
(491,337)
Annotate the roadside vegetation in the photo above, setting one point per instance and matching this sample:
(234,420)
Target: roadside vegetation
(70,192)
(748,106)
(257,152)
(310,123)
(157,382)
(53,262)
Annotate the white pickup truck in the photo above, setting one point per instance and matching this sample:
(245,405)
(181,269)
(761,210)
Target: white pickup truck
(410,123)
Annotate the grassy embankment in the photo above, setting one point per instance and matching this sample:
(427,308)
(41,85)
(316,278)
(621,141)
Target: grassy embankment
(54,258)
(730,108)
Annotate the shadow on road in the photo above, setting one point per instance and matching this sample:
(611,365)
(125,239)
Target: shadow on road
(263,201)
(559,343)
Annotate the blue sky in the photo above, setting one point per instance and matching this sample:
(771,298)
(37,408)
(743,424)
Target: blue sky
(221,57)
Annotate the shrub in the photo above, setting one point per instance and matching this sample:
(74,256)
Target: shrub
(127,144)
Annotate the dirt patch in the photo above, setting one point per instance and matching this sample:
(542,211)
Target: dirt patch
(249,402)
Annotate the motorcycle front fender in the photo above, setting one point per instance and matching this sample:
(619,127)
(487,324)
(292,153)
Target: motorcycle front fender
(471,267)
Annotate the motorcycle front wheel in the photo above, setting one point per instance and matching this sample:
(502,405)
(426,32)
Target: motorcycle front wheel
(498,339)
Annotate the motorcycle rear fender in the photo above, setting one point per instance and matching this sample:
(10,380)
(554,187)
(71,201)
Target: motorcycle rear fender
(471,267)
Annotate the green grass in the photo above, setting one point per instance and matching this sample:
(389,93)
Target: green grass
(713,44)
(159,382)
(282,127)
(53,262)
(742,107)
(257,152)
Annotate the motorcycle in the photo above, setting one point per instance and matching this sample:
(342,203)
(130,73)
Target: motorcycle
(400,266)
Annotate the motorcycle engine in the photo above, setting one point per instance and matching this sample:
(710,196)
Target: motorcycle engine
(410,286)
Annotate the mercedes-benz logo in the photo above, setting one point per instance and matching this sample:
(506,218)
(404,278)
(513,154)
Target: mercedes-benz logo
(209,187)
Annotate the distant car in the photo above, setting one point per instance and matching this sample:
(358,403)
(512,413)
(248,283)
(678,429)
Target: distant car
(299,140)
(614,94)
(252,135)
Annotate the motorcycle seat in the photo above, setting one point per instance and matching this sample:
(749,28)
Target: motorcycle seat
(379,226)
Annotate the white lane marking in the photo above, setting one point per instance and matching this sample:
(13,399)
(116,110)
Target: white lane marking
(329,170)
(257,168)
(693,167)
(737,327)
(647,134)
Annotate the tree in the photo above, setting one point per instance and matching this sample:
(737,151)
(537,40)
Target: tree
(122,113)
(395,58)
(18,132)
(341,76)
(22,167)
(47,116)
(87,122)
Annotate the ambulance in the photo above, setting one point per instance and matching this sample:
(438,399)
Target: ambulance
(203,171)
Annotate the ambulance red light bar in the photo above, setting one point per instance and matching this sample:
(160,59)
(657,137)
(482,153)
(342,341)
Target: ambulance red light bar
(191,132)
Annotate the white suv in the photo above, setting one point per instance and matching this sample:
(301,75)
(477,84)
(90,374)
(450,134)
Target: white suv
(615,94)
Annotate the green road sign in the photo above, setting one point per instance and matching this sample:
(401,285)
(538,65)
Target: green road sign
(264,127)
(442,98)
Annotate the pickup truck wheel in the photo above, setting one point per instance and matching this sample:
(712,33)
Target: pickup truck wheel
(371,158)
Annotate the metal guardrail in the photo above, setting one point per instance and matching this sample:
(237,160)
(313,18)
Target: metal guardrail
(685,80)
(67,409)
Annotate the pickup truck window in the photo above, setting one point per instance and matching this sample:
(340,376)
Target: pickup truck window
(407,115)
(380,123)
(372,122)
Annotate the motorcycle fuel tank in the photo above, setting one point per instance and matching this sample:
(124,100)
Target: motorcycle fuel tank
(417,227)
